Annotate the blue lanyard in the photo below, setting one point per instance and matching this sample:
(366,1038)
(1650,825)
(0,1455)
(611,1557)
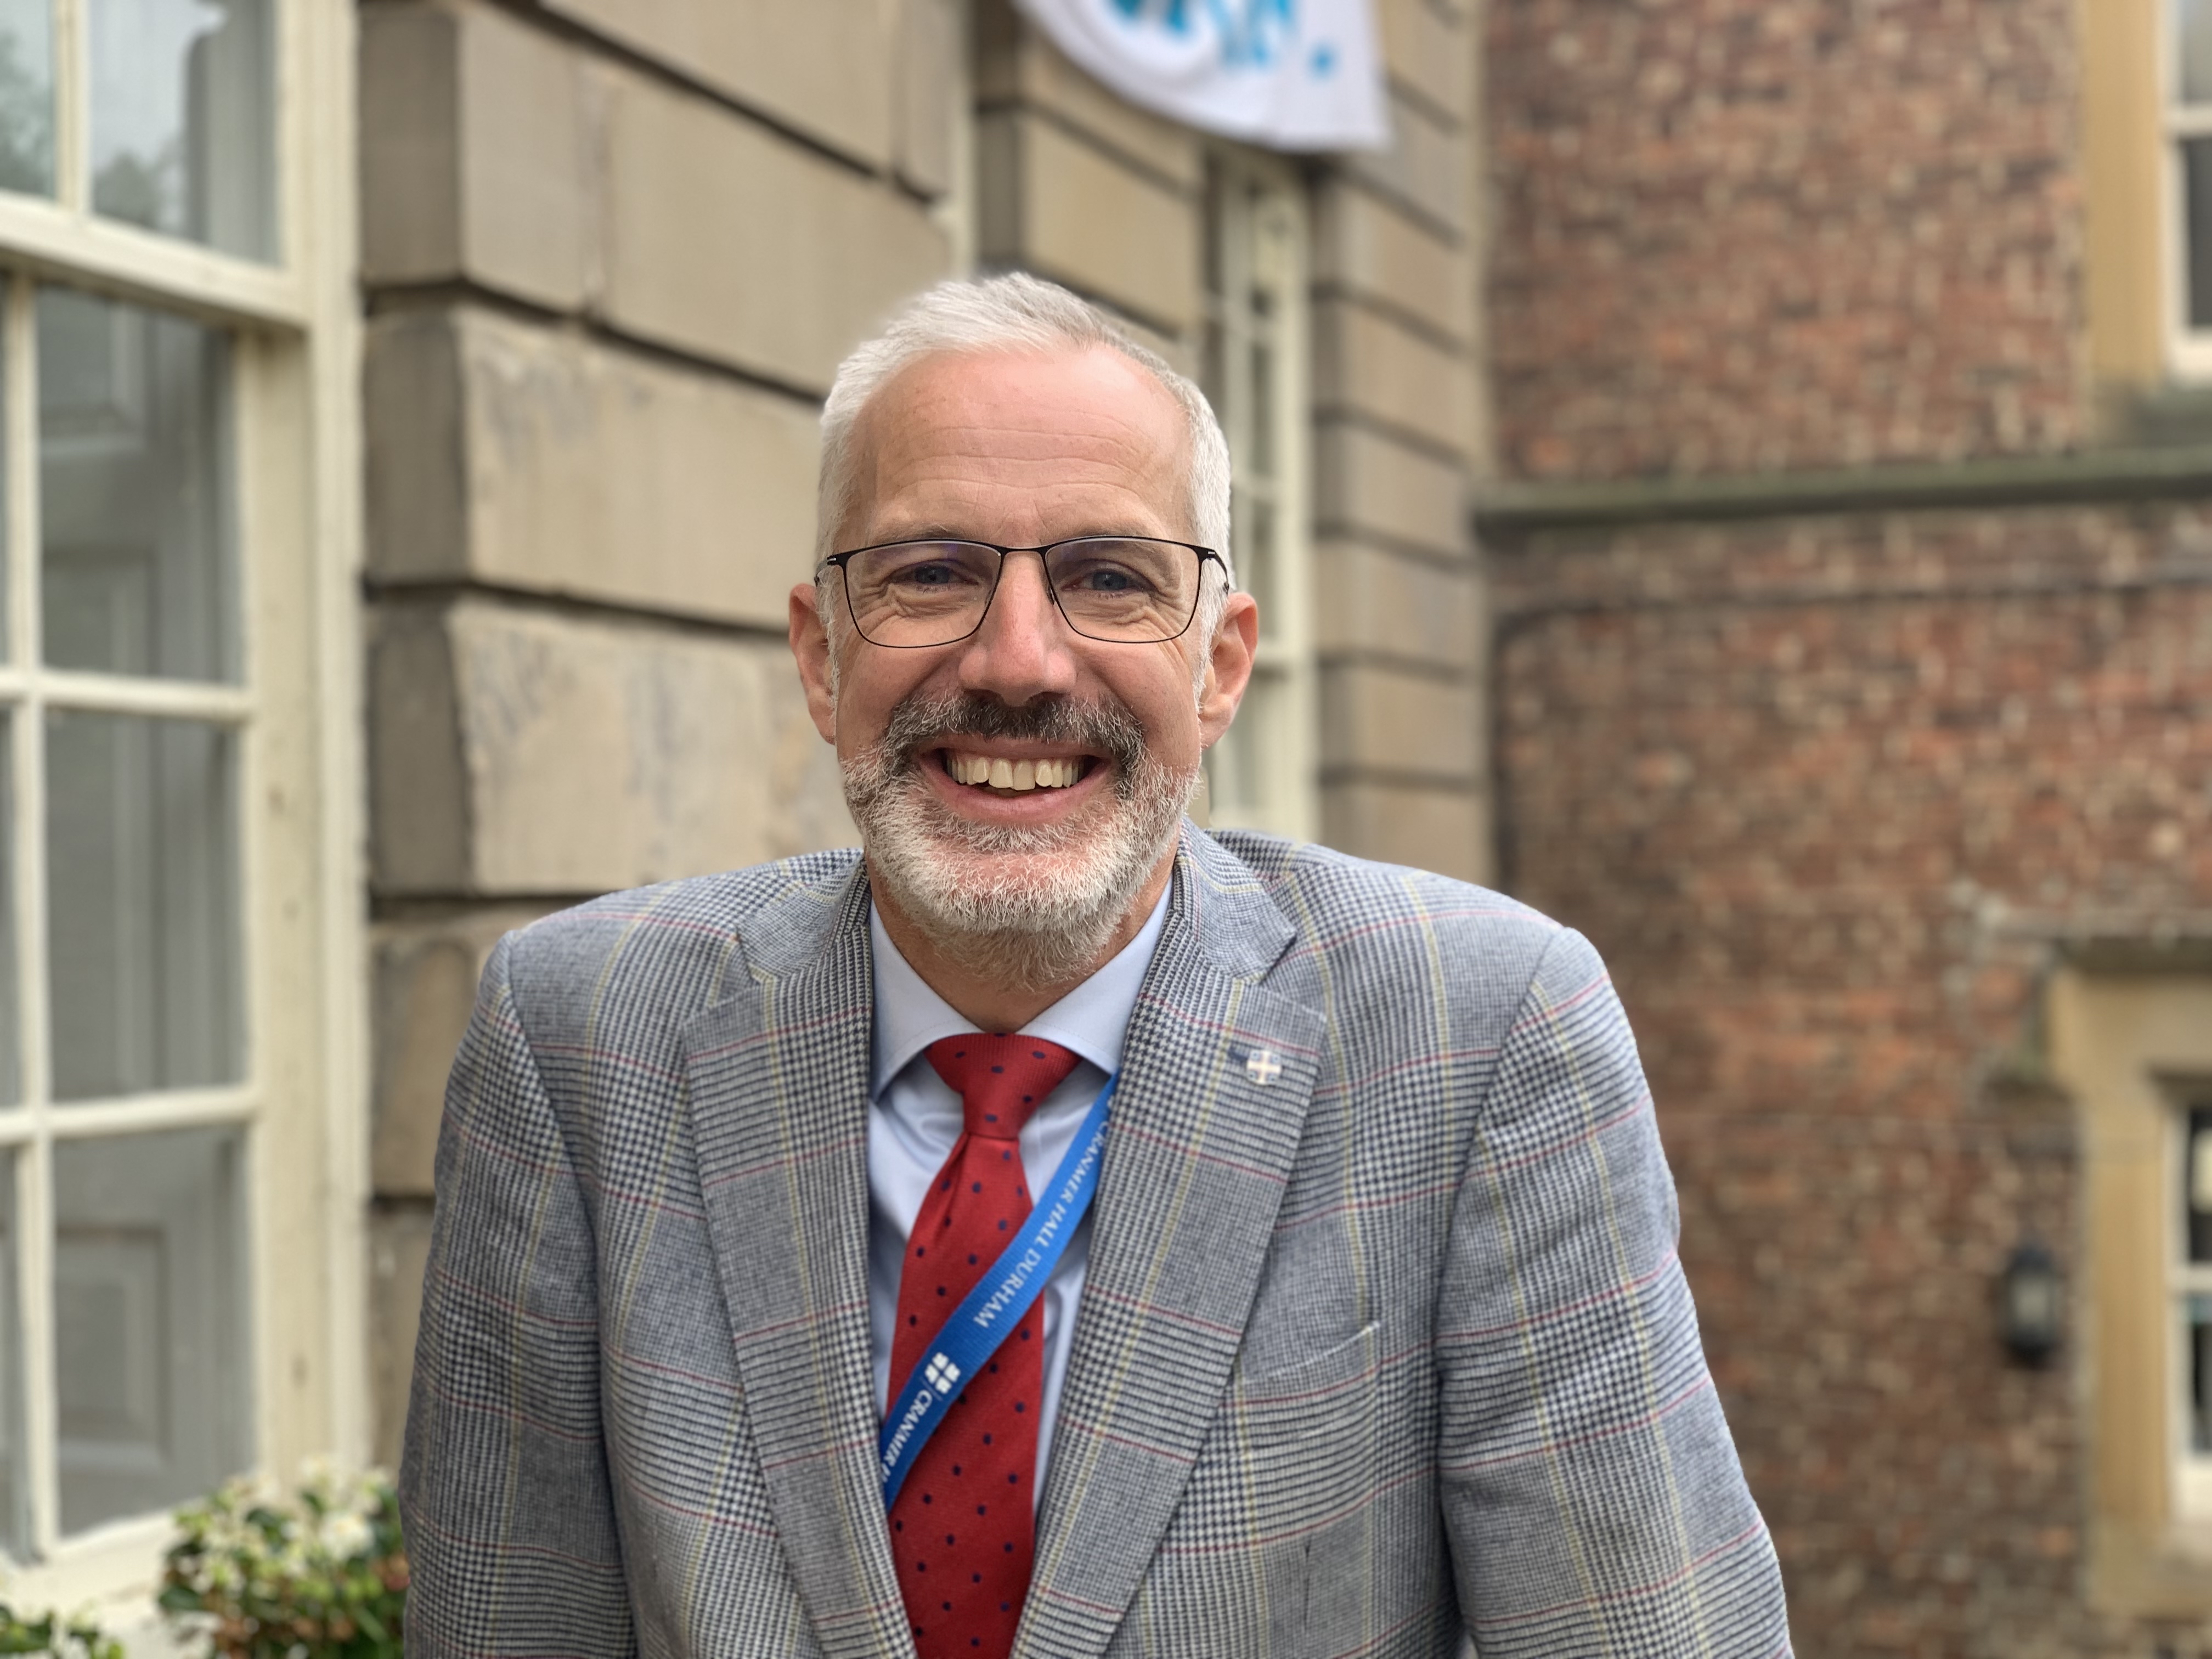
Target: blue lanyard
(978,1324)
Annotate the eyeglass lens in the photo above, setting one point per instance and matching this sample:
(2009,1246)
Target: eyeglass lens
(1121,588)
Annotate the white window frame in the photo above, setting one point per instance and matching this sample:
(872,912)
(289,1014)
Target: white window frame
(2188,349)
(295,327)
(2192,1470)
(1265,774)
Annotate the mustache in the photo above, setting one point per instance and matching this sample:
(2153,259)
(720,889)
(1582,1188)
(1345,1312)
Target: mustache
(920,721)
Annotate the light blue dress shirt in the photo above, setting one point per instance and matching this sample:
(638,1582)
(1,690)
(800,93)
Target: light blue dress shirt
(915,1118)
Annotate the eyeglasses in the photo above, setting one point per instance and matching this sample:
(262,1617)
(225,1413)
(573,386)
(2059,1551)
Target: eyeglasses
(1125,590)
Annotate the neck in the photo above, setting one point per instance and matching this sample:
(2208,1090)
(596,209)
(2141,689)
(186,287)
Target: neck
(976,997)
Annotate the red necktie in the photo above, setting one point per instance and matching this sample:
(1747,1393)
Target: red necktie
(963,1529)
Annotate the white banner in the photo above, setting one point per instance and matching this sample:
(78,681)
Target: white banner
(1296,74)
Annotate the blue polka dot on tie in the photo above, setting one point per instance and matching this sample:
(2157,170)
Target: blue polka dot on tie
(997,1068)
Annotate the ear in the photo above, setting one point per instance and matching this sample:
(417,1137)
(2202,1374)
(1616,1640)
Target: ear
(1228,666)
(809,647)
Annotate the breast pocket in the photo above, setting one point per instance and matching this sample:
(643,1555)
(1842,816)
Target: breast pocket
(1305,1438)
(1301,1445)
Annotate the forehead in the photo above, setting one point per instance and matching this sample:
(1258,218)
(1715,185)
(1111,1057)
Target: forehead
(1002,434)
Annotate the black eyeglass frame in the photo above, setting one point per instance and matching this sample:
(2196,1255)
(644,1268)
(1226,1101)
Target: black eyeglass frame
(838,561)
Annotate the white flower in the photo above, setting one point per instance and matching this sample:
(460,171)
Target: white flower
(346,1535)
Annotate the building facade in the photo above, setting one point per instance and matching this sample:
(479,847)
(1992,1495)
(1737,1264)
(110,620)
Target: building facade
(1735,473)
(1848,549)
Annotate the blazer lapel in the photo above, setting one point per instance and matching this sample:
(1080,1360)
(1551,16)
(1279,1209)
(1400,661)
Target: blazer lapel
(1216,1074)
(779,1086)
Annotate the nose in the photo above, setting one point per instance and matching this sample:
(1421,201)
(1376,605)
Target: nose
(1023,649)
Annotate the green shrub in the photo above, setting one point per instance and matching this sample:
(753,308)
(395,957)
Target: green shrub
(53,1636)
(322,1575)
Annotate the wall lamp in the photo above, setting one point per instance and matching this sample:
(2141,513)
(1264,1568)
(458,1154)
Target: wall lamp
(2031,1304)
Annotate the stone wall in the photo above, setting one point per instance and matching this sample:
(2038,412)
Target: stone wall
(613,252)
(1080,186)
(611,255)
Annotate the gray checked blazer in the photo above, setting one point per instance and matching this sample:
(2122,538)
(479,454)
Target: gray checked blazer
(1384,1346)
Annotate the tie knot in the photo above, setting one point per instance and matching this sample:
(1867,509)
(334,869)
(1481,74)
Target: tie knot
(1000,1079)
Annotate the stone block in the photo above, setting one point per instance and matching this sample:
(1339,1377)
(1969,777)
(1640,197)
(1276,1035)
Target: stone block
(1426,166)
(1446,831)
(526,456)
(1371,484)
(1370,362)
(398,1255)
(515,753)
(1429,53)
(728,241)
(1371,601)
(476,159)
(424,980)
(930,79)
(1365,245)
(1017,65)
(825,68)
(1059,206)
(1382,719)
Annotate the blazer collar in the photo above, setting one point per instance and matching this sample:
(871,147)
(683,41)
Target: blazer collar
(1216,1074)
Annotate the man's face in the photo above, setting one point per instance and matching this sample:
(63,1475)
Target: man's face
(1019,451)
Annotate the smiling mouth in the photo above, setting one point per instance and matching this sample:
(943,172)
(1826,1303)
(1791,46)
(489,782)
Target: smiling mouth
(1002,776)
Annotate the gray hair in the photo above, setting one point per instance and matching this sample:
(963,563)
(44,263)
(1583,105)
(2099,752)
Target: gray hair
(1023,315)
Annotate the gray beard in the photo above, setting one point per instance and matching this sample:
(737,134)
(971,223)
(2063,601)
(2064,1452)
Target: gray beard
(1027,909)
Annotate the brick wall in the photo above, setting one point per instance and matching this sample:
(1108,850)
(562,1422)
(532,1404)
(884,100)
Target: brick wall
(1746,235)
(1837,775)
(1830,793)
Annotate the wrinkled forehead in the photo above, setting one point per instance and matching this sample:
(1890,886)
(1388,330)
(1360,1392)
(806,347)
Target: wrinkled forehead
(1066,426)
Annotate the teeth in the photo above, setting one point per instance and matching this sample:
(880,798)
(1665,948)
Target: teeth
(1020,776)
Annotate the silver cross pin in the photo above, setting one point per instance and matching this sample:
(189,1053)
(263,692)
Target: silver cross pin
(1262,1067)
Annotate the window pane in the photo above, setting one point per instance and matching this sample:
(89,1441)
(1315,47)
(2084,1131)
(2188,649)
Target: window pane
(183,119)
(149,1360)
(27,96)
(136,510)
(2196,1339)
(11,1070)
(142,859)
(2196,1184)
(2196,185)
(2192,53)
(14,1529)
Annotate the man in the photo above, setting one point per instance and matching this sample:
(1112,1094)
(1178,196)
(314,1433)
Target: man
(765,1315)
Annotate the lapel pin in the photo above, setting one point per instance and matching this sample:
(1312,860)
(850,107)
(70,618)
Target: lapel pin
(1262,1067)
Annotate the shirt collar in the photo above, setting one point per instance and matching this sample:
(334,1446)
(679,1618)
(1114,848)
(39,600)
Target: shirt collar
(1092,1019)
